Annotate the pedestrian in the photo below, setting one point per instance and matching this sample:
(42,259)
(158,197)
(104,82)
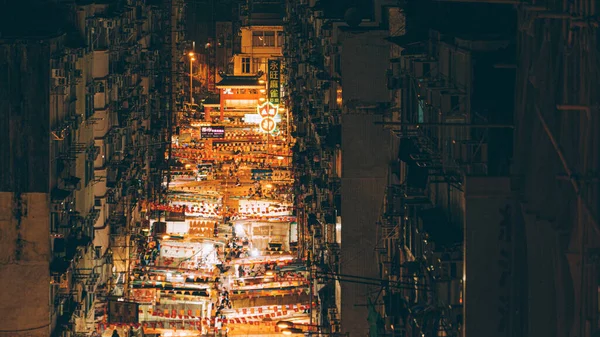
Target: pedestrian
(115,333)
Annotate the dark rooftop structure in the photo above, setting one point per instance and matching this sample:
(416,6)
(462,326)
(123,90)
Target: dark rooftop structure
(230,81)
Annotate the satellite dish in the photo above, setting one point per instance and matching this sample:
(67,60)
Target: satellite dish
(353,17)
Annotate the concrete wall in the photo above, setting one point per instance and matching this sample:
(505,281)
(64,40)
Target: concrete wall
(224,51)
(365,60)
(24,105)
(24,266)
(365,158)
(489,253)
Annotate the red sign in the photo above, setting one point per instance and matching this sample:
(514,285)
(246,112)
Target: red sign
(267,110)
(268,124)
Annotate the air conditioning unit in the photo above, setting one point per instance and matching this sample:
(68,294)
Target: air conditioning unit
(56,207)
(73,184)
(450,102)
(58,73)
(90,288)
(424,68)
(108,24)
(395,82)
(76,121)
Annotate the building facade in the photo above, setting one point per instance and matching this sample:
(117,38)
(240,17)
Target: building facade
(406,116)
(73,190)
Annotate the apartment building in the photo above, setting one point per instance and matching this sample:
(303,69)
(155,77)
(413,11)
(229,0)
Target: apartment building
(425,119)
(81,123)
(244,88)
(338,59)
(446,233)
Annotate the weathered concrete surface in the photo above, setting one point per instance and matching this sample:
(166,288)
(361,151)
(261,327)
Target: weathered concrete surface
(558,65)
(366,159)
(24,267)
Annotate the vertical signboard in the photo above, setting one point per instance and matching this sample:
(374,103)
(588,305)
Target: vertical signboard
(274,81)
(267,113)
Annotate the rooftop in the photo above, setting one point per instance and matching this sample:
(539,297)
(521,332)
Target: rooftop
(239,82)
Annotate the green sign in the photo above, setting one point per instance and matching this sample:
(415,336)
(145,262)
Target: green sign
(274,81)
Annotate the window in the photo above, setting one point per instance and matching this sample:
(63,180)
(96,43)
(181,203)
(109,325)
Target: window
(279,39)
(245,65)
(259,64)
(263,39)
(99,87)
(89,105)
(97,252)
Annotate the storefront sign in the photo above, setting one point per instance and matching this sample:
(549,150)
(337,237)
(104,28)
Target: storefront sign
(212,132)
(267,112)
(274,81)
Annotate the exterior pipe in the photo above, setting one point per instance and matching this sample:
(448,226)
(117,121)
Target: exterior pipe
(584,204)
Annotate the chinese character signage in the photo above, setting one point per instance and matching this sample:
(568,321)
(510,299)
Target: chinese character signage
(212,132)
(267,113)
(274,81)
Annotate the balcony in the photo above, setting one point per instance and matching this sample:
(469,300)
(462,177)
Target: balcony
(113,175)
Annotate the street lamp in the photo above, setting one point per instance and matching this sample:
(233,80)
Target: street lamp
(192,59)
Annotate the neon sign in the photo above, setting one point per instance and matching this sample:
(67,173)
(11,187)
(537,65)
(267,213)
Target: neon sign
(267,113)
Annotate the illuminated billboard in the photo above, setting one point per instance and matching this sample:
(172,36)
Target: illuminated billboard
(274,81)
(207,132)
